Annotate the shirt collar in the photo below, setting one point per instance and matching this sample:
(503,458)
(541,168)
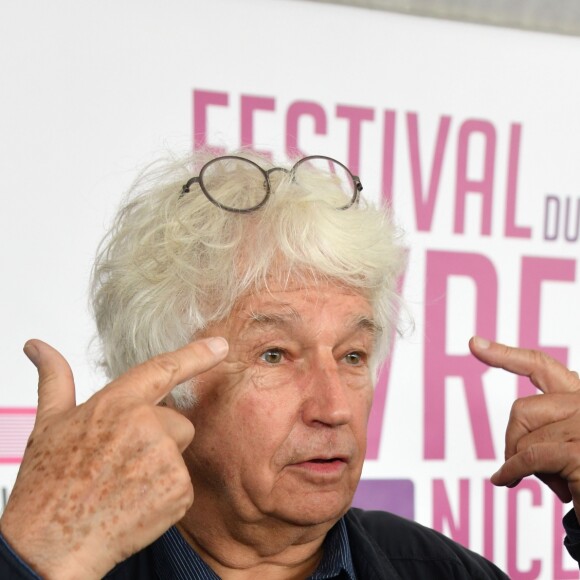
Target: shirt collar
(174,558)
(337,559)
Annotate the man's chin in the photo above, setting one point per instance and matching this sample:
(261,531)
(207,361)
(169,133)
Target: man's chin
(317,511)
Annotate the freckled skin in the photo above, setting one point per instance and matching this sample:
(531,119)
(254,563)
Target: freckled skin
(255,421)
(101,480)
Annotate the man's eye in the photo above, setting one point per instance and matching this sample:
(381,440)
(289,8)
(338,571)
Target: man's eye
(272,356)
(353,358)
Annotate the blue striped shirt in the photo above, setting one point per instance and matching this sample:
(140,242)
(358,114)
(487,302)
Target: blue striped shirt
(174,558)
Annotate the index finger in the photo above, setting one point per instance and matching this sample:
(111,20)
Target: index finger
(544,372)
(155,378)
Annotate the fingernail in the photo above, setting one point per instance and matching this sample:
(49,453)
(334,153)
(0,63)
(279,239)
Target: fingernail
(513,483)
(31,352)
(481,343)
(217,345)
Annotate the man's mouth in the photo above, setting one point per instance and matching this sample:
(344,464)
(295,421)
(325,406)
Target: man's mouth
(322,465)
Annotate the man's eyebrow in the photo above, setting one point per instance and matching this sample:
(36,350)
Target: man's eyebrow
(286,318)
(369,325)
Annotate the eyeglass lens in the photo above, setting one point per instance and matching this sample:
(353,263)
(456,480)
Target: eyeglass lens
(331,170)
(235,183)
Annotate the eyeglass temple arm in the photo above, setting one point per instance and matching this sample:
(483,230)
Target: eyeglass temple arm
(186,186)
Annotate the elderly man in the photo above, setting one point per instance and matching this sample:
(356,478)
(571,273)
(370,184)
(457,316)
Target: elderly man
(286,281)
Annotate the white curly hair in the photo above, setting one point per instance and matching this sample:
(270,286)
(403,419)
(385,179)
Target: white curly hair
(172,264)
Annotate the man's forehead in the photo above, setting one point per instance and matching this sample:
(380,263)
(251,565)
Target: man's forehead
(290,298)
(292,307)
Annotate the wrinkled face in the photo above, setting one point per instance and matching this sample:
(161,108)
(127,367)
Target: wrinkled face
(281,423)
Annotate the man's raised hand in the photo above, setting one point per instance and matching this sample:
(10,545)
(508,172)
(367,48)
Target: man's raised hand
(543,432)
(102,480)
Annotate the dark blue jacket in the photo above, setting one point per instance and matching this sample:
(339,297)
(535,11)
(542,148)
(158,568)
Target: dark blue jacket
(384,546)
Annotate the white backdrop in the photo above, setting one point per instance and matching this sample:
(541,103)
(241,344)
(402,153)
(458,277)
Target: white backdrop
(472,131)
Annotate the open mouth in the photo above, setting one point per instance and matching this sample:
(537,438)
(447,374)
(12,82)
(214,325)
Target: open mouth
(323,467)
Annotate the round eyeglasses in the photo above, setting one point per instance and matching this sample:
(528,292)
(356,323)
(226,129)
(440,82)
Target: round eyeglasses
(239,185)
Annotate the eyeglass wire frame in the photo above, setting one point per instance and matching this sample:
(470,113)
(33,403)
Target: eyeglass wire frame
(357,185)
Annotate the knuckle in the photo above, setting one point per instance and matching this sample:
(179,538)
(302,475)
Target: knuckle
(181,488)
(188,430)
(505,351)
(48,376)
(166,365)
(141,415)
(537,356)
(186,501)
(518,408)
(170,461)
(530,455)
(188,496)
(167,449)
(572,380)
(541,359)
(183,481)
(101,404)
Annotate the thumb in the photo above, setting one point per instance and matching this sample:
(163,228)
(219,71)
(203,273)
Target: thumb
(56,387)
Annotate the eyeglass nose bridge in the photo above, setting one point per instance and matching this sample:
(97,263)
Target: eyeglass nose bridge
(268,184)
(269,172)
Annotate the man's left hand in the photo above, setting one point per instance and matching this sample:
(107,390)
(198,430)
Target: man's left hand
(543,432)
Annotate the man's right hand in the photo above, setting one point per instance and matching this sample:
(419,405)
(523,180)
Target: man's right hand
(102,480)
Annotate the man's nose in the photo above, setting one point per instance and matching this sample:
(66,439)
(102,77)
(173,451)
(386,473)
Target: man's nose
(327,400)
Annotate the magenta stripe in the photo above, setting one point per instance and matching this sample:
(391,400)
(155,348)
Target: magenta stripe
(16,423)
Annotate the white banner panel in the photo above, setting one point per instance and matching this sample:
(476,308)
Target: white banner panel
(471,132)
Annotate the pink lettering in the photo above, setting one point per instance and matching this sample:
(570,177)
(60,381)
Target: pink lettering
(249,105)
(488,519)
(534,272)
(355,117)
(511,229)
(295,111)
(424,205)
(533,487)
(443,519)
(464,184)
(439,365)
(388,155)
(201,101)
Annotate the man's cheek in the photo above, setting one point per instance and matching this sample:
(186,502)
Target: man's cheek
(362,405)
